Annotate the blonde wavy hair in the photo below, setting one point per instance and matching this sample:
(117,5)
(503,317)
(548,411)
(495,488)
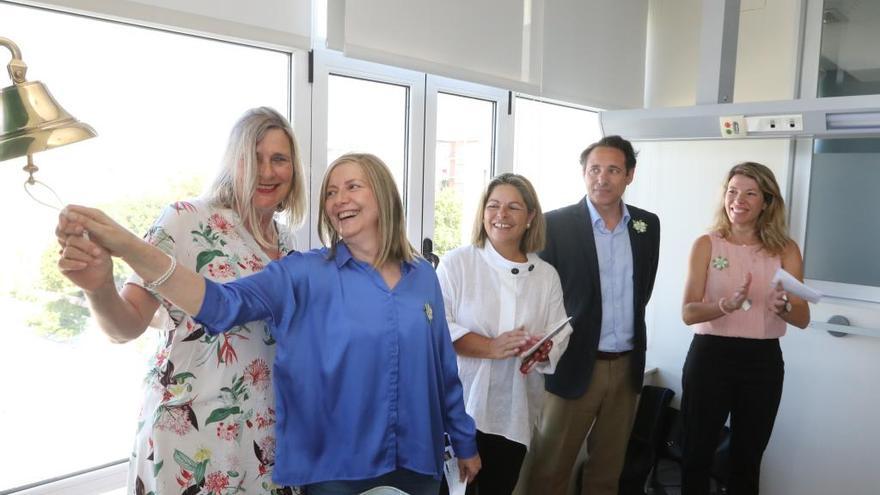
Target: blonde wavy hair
(771,224)
(393,244)
(235,185)
(534,238)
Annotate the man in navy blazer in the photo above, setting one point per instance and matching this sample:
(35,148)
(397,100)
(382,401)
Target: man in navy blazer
(606,254)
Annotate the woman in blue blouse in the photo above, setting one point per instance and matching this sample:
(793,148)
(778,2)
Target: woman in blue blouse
(365,373)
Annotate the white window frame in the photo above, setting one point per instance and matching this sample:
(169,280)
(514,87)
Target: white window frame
(327,62)
(299,96)
(502,146)
(99,479)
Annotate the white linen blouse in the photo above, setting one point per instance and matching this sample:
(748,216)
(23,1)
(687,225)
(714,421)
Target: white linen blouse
(486,294)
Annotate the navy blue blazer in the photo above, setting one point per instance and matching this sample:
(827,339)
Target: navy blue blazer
(571,249)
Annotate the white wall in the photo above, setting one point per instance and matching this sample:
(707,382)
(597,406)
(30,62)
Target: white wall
(767,51)
(827,434)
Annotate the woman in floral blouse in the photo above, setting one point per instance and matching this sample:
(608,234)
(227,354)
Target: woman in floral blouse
(207,421)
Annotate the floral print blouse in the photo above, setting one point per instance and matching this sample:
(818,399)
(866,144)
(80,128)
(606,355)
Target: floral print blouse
(207,421)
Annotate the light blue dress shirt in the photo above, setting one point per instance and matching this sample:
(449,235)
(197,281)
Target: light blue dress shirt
(614,252)
(365,377)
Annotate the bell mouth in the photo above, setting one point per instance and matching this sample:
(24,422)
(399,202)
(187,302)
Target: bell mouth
(46,138)
(33,121)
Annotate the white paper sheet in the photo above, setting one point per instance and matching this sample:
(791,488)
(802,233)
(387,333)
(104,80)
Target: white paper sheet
(794,286)
(450,469)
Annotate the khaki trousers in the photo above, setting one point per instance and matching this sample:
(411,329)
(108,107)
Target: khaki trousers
(605,412)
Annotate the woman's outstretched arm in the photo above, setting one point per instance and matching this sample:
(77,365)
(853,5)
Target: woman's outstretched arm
(181,286)
(121,314)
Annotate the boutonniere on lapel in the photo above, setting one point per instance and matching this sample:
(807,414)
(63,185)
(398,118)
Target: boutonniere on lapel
(640,226)
(720,263)
(429,312)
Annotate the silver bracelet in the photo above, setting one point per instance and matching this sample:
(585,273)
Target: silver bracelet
(165,276)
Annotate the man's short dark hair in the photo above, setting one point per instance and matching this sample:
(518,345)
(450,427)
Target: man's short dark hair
(617,143)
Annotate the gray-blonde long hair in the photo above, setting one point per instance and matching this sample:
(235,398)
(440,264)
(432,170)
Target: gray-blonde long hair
(249,130)
(393,244)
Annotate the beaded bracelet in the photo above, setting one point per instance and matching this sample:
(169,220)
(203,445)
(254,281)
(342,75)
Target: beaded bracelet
(165,276)
(721,306)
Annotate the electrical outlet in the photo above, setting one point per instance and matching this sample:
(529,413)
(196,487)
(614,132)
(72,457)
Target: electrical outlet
(732,126)
(775,123)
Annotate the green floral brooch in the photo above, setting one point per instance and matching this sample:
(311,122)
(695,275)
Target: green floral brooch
(429,312)
(720,262)
(640,226)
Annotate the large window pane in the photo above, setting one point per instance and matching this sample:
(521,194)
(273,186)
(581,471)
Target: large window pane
(368,117)
(842,238)
(463,166)
(163,105)
(549,141)
(848,63)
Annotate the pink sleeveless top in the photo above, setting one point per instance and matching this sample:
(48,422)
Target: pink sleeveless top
(727,268)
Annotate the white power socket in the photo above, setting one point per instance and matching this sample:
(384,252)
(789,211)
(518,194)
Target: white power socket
(775,123)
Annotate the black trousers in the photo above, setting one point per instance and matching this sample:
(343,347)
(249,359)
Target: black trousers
(501,461)
(736,376)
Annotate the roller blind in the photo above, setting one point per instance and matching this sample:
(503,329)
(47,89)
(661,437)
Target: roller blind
(587,52)
(493,42)
(594,52)
(283,23)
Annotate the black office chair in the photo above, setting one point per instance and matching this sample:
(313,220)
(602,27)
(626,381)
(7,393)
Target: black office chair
(646,437)
(666,475)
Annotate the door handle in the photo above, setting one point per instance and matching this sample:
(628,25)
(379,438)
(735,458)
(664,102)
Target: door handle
(428,251)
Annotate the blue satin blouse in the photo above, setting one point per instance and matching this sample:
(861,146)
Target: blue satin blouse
(365,376)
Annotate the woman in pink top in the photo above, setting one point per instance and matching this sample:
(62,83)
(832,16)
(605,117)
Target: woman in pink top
(734,365)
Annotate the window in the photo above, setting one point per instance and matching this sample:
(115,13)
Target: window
(410,120)
(549,141)
(368,117)
(848,65)
(462,166)
(468,139)
(365,107)
(840,213)
(163,105)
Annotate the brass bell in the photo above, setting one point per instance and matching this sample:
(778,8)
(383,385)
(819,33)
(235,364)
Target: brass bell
(32,121)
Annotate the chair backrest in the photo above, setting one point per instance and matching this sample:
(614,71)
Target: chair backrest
(667,469)
(650,414)
(646,437)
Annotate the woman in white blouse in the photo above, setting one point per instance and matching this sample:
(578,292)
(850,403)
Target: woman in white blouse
(501,299)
